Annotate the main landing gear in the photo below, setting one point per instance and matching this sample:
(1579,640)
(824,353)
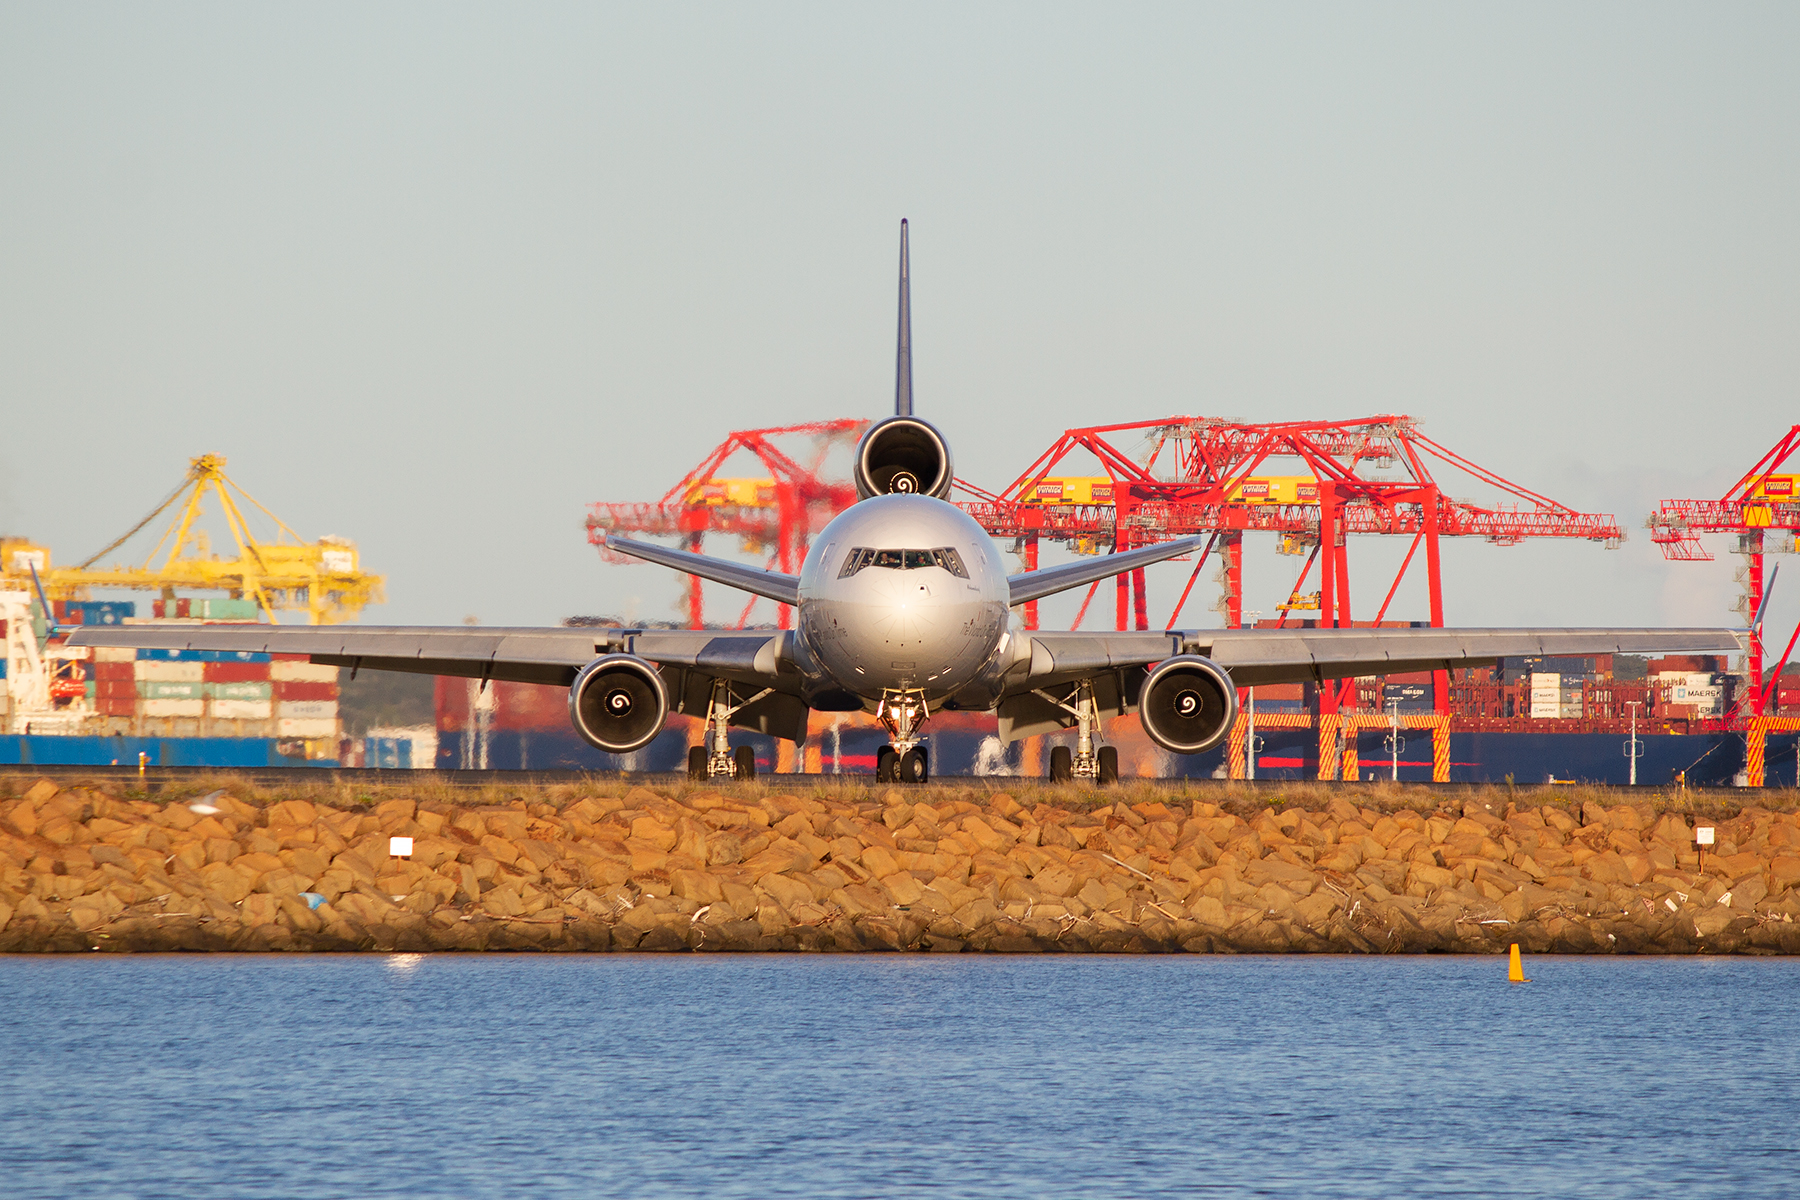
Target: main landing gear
(1088,760)
(905,760)
(715,759)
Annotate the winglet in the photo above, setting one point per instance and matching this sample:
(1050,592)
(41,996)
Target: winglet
(903,354)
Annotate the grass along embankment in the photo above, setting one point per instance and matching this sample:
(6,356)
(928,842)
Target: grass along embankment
(837,865)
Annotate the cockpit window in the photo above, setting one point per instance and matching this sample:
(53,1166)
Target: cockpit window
(903,560)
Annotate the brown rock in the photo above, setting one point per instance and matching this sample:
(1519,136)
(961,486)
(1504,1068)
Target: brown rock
(282,882)
(698,886)
(92,911)
(903,887)
(225,883)
(1748,891)
(394,812)
(1318,907)
(1784,872)
(785,890)
(292,812)
(259,909)
(503,901)
(1712,921)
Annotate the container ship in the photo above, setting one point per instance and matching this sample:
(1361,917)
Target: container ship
(71,705)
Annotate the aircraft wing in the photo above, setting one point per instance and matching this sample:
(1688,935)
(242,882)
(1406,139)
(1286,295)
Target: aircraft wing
(1257,656)
(549,655)
(1034,585)
(782,588)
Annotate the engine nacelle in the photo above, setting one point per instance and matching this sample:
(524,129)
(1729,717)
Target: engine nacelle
(1187,704)
(904,456)
(618,703)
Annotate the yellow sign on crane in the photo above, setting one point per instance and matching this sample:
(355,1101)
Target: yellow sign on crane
(321,579)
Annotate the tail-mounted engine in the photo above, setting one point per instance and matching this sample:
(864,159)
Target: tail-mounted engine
(905,456)
(618,703)
(1187,704)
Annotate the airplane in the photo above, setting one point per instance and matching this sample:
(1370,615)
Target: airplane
(903,610)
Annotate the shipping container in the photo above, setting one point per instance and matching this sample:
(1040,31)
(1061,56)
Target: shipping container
(125,671)
(239,691)
(167,689)
(236,672)
(241,710)
(224,610)
(116,706)
(297,727)
(203,656)
(172,708)
(307,710)
(286,689)
(1280,691)
(170,672)
(110,654)
(302,672)
(98,612)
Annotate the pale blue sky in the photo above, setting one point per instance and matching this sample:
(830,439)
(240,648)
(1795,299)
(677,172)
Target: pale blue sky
(436,276)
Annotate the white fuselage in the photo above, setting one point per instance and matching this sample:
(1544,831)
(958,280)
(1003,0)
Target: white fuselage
(905,615)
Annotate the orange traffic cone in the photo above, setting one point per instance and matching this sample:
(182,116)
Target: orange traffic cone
(1515,968)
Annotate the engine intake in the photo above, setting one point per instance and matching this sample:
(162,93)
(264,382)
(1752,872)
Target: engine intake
(1187,704)
(618,703)
(904,456)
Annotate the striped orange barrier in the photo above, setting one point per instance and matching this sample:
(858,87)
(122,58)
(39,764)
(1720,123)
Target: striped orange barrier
(1343,761)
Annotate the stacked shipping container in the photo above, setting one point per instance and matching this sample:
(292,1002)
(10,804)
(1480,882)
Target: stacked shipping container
(160,693)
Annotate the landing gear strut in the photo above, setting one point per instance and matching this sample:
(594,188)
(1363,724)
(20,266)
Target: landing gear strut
(1089,760)
(716,759)
(905,760)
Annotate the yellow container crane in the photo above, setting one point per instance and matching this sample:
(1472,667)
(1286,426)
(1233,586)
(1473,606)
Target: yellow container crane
(321,579)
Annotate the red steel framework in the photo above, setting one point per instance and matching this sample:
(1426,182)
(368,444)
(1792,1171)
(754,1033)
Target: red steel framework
(1212,486)
(776,517)
(1760,502)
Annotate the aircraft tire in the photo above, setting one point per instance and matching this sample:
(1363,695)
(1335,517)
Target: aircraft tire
(1062,764)
(743,761)
(914,768)
(1109,764)
(886,765)
(697,762)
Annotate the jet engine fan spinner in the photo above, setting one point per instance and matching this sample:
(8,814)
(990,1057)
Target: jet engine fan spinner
(905,456)
(1187,704)
(618,703)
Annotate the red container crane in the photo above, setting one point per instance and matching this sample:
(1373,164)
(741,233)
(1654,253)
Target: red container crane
(1369,476)
(1761,502)
(774,515)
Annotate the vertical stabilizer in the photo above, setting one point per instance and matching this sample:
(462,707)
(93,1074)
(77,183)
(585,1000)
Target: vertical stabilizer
(903,355)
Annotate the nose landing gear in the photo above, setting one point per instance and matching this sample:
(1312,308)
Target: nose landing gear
(906,759)
(716,759)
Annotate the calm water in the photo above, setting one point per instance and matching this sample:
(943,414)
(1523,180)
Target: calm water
(876,1075)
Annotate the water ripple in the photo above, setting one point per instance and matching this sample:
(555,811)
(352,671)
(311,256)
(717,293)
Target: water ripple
(877,1076)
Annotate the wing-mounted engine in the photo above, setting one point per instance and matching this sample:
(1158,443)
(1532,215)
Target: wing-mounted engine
(904,456)
(1187,704)
(618,703)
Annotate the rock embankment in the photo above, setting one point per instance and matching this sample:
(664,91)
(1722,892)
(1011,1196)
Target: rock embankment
(83,870)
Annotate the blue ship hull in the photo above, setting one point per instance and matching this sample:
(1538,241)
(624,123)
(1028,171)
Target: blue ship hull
(23,750)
